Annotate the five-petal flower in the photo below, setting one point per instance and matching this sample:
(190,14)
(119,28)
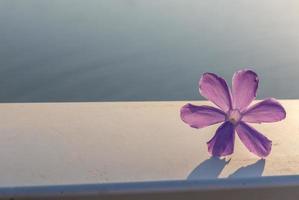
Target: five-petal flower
(234,112)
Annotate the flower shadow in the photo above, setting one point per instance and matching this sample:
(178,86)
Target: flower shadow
(208,169)
(253,170)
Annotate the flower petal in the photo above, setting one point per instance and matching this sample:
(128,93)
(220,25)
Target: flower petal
(269,110)
(222,144)
(253,140)
(244,87)
(201,116)
(215,89)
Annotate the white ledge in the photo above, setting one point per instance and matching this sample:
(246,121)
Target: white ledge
(274,188)
(79,143)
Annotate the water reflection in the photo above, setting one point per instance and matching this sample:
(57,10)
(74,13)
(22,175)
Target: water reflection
(143,50)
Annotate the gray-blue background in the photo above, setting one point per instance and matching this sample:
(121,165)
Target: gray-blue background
(109,50)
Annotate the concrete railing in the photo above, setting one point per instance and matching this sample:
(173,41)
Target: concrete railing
(131,145)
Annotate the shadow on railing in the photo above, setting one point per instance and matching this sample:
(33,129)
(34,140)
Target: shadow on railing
(208,169)
(212,167)
(253,170)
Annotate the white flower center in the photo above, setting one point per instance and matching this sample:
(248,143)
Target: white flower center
(234,116)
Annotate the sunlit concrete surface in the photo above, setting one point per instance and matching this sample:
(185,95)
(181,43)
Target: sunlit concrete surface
(77,143)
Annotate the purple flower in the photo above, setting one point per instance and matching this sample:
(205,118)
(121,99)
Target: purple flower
(234,112)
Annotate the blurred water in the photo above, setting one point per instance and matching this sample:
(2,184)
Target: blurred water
(119,50)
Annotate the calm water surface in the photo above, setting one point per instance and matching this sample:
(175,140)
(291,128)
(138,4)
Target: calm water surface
(127,50)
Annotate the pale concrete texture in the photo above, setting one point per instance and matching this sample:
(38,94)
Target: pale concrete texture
(77,143)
